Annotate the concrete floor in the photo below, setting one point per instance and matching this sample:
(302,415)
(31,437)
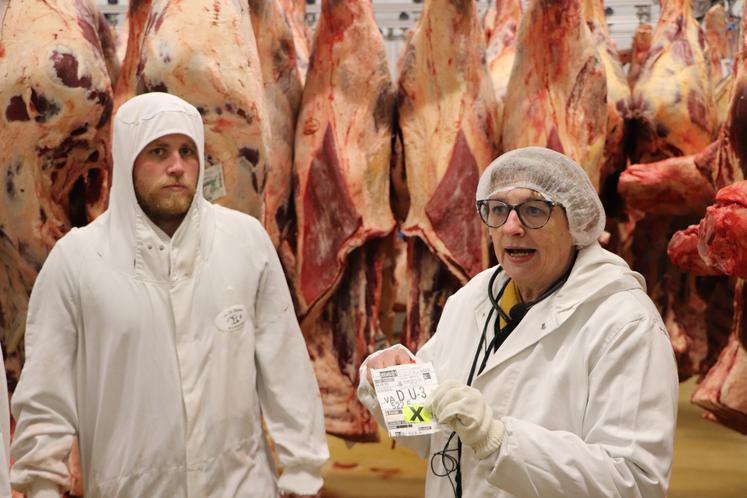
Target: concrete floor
(709,462)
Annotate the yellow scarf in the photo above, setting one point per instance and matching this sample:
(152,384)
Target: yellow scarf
(508,300)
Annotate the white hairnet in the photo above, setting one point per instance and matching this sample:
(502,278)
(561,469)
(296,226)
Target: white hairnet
(555,176)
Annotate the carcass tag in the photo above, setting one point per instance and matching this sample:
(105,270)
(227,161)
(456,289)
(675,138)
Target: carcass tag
(402,391)
(213,186)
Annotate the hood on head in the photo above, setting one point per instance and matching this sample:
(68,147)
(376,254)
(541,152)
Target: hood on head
(138,122)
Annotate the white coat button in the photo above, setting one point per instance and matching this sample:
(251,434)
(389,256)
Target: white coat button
(161,248)
(150,247)
(543,326)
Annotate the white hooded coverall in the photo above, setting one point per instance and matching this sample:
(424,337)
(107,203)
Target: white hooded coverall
(164,355)
(586,386)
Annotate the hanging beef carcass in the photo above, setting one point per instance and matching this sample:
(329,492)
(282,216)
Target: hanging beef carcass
(718,244)
(674,115)
(342,162)
(723,391)
(673,111)
(448,116)
(642,40)
(56,102)
(501,45)
(721,245)
(283,86)
(557,94)
(618,91)
(206,53)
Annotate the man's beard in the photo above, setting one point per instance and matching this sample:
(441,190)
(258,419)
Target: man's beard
(162,205)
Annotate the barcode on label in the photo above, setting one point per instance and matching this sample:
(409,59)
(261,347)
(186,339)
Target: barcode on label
(427,375)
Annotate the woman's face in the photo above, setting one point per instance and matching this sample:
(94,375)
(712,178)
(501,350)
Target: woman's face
(533,258)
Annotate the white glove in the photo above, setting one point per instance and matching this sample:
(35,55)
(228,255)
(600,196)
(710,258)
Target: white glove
(463,410)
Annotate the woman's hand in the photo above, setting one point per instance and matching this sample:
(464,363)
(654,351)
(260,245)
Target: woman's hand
(463,410)
(388,358)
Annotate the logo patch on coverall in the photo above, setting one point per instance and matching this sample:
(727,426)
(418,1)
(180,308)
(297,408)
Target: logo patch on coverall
(231,319)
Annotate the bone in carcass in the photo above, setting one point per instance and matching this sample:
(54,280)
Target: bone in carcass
(122,32)
(342,163)
(206,53)
(618,91)
(501,45)
(722,96)
(283,86)
(642,40)
(448,116)
(56,101)
(295,11)
(108,38)
(557,94)
(717,41)
(723,391)
(672,111)
(717,50)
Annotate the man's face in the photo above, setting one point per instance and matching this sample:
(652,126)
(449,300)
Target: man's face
(165,178)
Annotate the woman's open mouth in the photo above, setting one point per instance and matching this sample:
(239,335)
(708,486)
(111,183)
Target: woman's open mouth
(520,251)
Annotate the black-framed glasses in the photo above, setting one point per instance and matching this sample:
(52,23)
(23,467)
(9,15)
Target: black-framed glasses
(534,213)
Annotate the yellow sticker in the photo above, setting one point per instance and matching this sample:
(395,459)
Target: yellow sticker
(416,414)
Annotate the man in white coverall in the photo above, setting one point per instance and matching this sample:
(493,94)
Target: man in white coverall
(557,378)
(161,334)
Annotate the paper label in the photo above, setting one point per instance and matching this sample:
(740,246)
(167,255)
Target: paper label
(402,391)
(727,66)
(213,186)
(231,319)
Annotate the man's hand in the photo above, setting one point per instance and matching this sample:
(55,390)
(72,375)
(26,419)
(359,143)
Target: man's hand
(388,358)
(464,410)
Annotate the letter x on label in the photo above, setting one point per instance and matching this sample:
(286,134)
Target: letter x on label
(416,414)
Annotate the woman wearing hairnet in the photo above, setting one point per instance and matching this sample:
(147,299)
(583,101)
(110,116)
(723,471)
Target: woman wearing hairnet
(556,373)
